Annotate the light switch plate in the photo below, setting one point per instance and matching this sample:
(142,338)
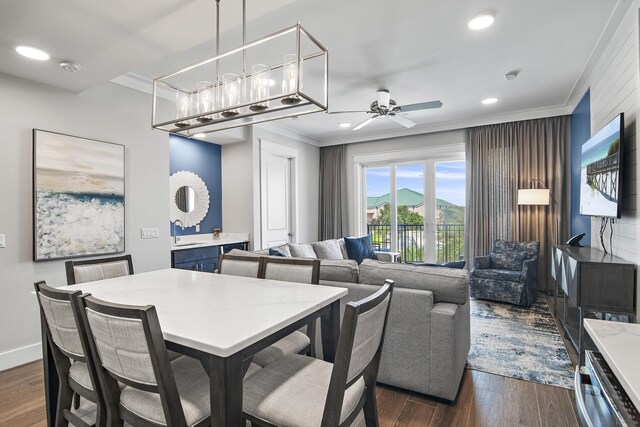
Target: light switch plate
(2,241)
(197,228)
(150,233)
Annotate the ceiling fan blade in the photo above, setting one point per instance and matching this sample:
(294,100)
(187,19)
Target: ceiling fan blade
(349,111)
(402,120)
(420,106)
(366,122)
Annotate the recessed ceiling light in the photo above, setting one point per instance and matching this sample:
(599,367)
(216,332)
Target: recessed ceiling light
(481,21)
(488,101)
(32,53)
(199,135)
(345,125)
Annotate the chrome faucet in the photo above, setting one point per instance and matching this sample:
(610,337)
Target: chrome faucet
(176,239)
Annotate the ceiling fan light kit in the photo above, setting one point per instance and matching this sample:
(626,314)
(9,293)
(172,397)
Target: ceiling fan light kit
(284,74)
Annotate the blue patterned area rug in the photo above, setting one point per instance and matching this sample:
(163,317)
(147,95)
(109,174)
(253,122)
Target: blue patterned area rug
(518,342)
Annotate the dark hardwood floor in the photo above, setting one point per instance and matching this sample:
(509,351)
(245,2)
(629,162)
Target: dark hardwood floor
(484,400)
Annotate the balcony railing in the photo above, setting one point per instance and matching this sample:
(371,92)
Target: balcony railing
(449,242)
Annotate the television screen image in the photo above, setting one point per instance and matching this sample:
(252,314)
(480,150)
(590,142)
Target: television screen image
(600,171)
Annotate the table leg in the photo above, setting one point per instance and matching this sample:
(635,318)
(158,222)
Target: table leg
(225,379)
(330,328)
(50,377)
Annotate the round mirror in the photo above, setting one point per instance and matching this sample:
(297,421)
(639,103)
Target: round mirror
(186,199)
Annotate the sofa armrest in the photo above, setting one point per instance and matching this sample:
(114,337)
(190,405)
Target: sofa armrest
(530,270)
(387,256)
(481,263)
(405,355)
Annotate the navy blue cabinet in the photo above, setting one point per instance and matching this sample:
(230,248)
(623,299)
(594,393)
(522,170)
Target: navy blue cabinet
(202,258)
(198,259)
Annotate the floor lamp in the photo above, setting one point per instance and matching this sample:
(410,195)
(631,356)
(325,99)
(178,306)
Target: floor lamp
(542,197)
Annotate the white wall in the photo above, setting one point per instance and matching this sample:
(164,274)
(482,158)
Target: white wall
(614,89)
(241,185)
(108,113)
(391,149)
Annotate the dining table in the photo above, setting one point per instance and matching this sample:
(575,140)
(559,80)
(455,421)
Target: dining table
(219,319)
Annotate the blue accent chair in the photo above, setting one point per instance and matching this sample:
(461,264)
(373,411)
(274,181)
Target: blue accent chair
(508,274)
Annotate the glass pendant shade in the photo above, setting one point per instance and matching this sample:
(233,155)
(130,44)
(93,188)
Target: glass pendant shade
(231,87)
(260,82)
(291,73)
(206,101)
(183,108)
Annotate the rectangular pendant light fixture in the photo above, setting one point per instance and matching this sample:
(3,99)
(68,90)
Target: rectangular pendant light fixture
(281,75)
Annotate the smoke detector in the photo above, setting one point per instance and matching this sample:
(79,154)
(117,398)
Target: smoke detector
(511,75)
(70,66)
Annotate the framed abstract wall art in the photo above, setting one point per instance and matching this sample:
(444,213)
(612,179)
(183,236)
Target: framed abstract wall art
(78,197)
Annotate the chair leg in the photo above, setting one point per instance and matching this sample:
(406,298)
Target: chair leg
(76,400)
(65,398)
(370,408)
(311,333)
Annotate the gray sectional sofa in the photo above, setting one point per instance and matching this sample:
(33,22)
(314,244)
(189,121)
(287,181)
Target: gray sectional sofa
(428,334)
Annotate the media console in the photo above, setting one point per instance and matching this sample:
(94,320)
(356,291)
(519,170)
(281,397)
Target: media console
(592,282)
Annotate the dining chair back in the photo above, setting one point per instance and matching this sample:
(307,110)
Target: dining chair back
(66,335)
(290,391)
(238,265)
(137,372)
(98,269)
(291,270)
(358,355)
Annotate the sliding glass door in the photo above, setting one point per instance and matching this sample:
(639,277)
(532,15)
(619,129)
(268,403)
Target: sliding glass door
(416,209)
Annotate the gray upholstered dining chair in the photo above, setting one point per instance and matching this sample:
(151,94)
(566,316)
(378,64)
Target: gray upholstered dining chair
(69,348)
(98,269)
(301,391)
(301,341)
(141,385)
(238,265)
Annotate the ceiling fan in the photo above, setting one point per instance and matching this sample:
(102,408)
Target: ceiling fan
(387,107)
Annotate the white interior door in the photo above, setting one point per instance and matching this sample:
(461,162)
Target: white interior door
(276,199)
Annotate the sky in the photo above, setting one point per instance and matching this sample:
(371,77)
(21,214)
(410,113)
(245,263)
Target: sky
(450,177)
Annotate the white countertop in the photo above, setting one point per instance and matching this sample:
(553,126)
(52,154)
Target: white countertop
(619,344)
(215,313)
(203,240)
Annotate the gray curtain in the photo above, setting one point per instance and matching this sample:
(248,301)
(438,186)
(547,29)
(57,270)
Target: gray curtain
(333,192)
(503,158)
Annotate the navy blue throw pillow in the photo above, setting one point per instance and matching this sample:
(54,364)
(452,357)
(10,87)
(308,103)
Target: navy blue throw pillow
(276,252)
(359,248)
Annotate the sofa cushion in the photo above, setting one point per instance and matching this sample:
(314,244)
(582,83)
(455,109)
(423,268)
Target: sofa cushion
(339,270)
(302,250)
(446,284)
(503,275)
(450,264)
(343,248)
(327,249)
(360,248)
(506,255)
(282,248)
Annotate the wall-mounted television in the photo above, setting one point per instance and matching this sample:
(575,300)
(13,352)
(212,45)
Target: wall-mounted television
(601,171)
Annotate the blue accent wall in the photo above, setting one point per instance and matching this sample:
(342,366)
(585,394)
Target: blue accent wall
(204,159)
(580,133)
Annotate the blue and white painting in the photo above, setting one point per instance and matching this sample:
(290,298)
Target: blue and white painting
(79,197)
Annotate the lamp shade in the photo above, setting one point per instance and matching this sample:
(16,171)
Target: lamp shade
(536,196)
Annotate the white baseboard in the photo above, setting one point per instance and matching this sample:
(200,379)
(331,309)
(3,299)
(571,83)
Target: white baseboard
(20,356)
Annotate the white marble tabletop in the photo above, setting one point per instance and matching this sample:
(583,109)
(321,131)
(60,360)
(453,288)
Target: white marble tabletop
(619,344)
(215,313)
